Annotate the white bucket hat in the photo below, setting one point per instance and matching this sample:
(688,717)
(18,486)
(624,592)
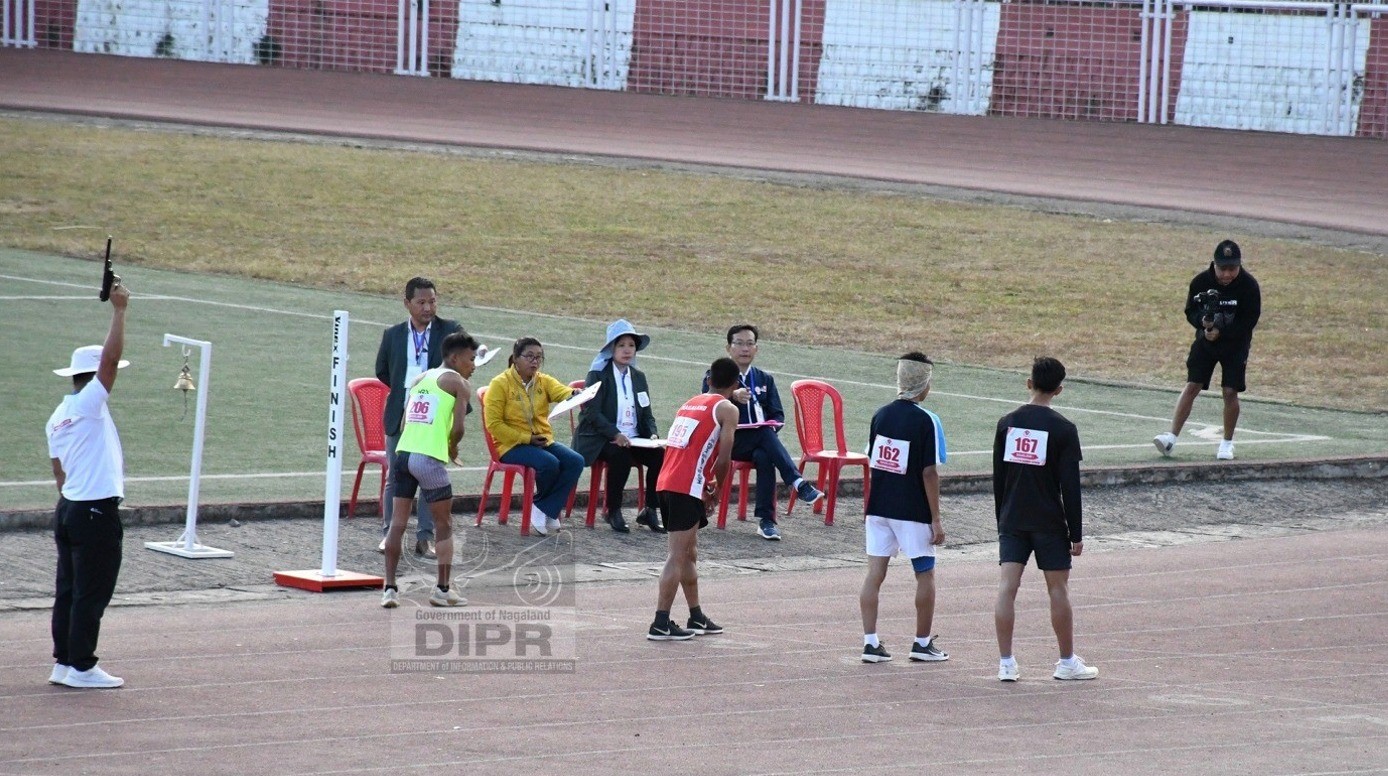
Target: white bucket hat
(615,330)
(86,359)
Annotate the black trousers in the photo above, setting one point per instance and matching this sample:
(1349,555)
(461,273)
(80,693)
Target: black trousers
(89,536)
(619,462)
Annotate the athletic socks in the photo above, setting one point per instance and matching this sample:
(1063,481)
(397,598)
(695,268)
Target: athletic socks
(662,618)
(1068,662)
(924,641)
(1008,661)
(444,588)
(870,640)
(696,613)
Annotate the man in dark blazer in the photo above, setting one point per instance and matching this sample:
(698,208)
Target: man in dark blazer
(407,350)
(619,413)
(758,402)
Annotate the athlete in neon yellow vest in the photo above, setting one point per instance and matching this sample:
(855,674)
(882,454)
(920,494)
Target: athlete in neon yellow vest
(435,407)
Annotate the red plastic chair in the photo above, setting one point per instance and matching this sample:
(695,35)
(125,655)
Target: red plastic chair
(740,469)
(510,471)
(368,421)
(597,494)
(809,398)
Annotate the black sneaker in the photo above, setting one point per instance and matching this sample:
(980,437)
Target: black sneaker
(671,632)
(877,654)
(929,653)
(704,627)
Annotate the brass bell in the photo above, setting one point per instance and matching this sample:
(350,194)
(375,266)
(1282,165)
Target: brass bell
(185,380)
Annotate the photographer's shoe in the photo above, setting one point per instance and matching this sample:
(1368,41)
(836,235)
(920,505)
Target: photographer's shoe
(1165,443)
(1226,450)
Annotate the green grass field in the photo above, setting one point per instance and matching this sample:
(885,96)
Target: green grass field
(268,397)
(821,265)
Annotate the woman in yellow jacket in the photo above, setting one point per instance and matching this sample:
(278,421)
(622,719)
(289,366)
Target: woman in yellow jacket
(517,411)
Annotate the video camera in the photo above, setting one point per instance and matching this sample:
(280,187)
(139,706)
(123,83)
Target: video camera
(1208,302)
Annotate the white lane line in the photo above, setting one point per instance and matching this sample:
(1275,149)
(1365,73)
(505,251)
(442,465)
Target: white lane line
(588,348)
(254,476)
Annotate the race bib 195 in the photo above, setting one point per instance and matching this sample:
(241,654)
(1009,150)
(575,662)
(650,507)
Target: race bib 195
(1025,446)
(680,432)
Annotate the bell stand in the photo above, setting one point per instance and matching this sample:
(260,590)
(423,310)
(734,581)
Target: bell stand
(186,546)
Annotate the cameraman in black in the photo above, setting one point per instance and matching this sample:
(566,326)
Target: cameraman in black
(1223,304)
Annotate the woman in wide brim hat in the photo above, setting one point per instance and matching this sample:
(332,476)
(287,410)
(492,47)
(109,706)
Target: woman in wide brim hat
(619,413)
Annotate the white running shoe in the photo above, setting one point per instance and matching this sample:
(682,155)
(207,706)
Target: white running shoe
(92,678)
(450,598)
(1226,450)
(59,673)
(552,525)
(1165,443)
(1078,671)
(390,598)
(538,522)
(1008,672)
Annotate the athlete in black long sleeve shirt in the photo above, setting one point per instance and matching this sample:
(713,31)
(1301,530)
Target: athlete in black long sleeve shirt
(1036,488)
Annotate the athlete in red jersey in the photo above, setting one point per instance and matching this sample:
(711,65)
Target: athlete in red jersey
(697,457)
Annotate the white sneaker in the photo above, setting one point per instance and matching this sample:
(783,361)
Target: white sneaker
(390,598)
(451,598)
(92,678)
(381,548)
(537,521)
(1226,450)
(1079,671)
(1164,442)
(552,525)
(59,673)
(1008,672)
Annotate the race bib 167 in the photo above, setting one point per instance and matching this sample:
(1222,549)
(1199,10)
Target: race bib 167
(1026,446)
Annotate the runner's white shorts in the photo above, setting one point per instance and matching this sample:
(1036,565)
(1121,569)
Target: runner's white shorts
(886,537)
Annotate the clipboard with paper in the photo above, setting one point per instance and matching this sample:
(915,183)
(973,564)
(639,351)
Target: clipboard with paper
(577,400)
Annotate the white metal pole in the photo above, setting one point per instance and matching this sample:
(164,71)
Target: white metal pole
(413,64)
(795,52)
(190,524)
(5,21)
(424,41)
(1168,21)
(332,491)
(1349,43)
(400,37)
(975,52)
(1154,63)
(1145,17)
(785,49)
(770,49)
(969,53)
(956,84)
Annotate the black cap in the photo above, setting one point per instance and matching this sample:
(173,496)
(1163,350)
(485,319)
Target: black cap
(1227,254)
